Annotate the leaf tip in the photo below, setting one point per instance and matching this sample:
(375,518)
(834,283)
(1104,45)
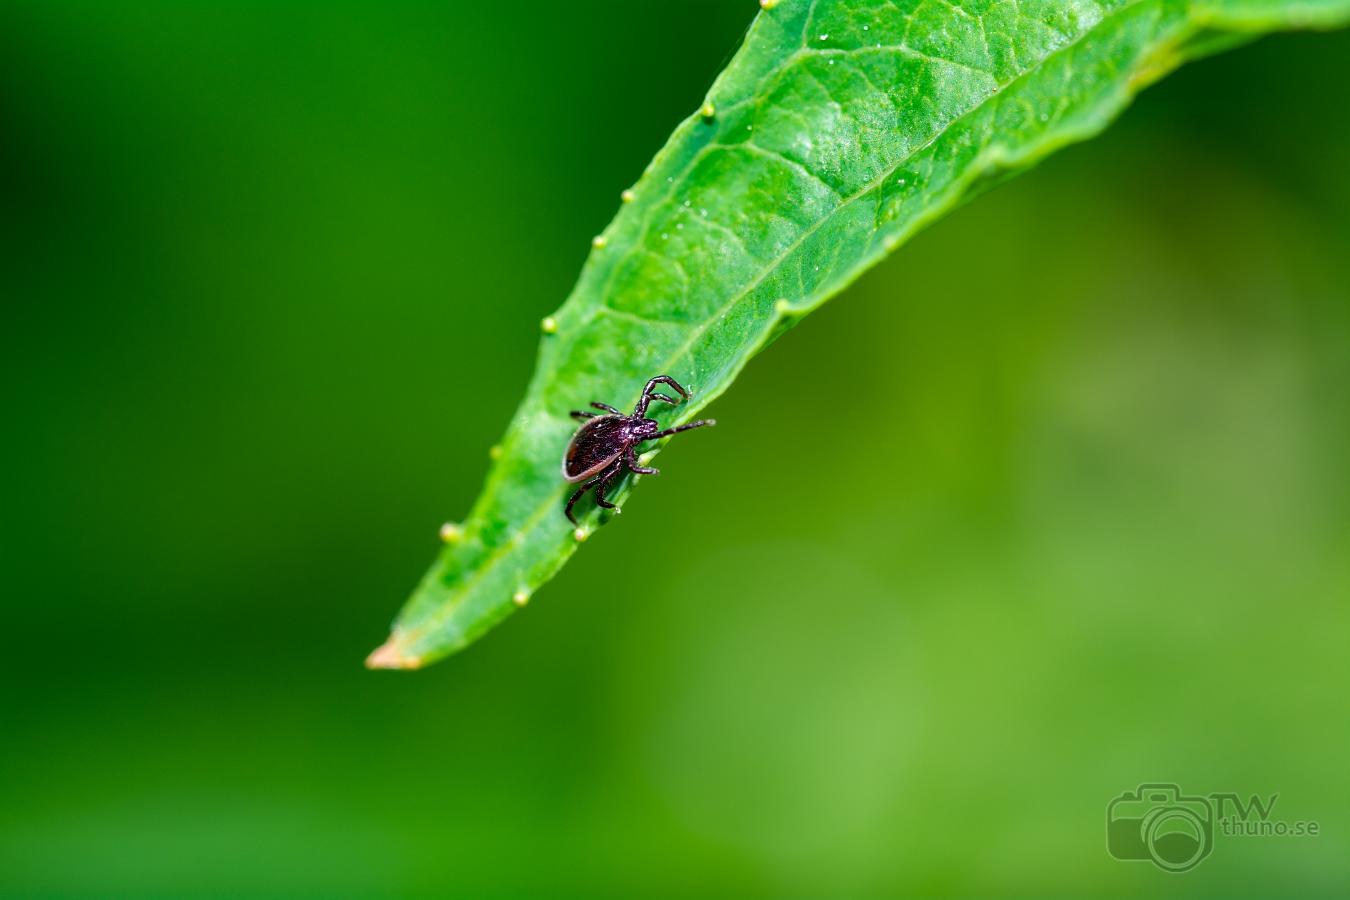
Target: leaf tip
(390,655)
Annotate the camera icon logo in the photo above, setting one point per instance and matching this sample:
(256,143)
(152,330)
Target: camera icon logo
(1157,823)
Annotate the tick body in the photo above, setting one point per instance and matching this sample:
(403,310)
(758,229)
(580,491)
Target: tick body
(606,444)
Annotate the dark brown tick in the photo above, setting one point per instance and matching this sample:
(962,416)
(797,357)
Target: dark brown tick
(607,444)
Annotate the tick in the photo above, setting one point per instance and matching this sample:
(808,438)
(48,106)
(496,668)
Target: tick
(607,443)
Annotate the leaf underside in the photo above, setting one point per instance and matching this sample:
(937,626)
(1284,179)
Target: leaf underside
(839,129)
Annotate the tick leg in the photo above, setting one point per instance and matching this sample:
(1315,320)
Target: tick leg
(578,414)
(647,395)
(605,478)
(666,379)
(636,467)
(678,428)
(571,501)
(606,407)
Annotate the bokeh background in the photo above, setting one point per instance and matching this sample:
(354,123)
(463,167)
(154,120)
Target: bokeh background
(272,274)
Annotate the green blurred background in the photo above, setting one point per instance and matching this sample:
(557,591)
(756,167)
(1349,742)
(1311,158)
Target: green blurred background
(272,275)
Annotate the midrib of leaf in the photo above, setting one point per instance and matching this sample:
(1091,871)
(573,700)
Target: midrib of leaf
(774,264)
(946,196)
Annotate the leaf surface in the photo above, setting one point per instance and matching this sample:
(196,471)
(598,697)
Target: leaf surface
(839,129)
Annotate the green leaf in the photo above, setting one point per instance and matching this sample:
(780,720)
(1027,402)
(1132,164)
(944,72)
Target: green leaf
(839,129)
